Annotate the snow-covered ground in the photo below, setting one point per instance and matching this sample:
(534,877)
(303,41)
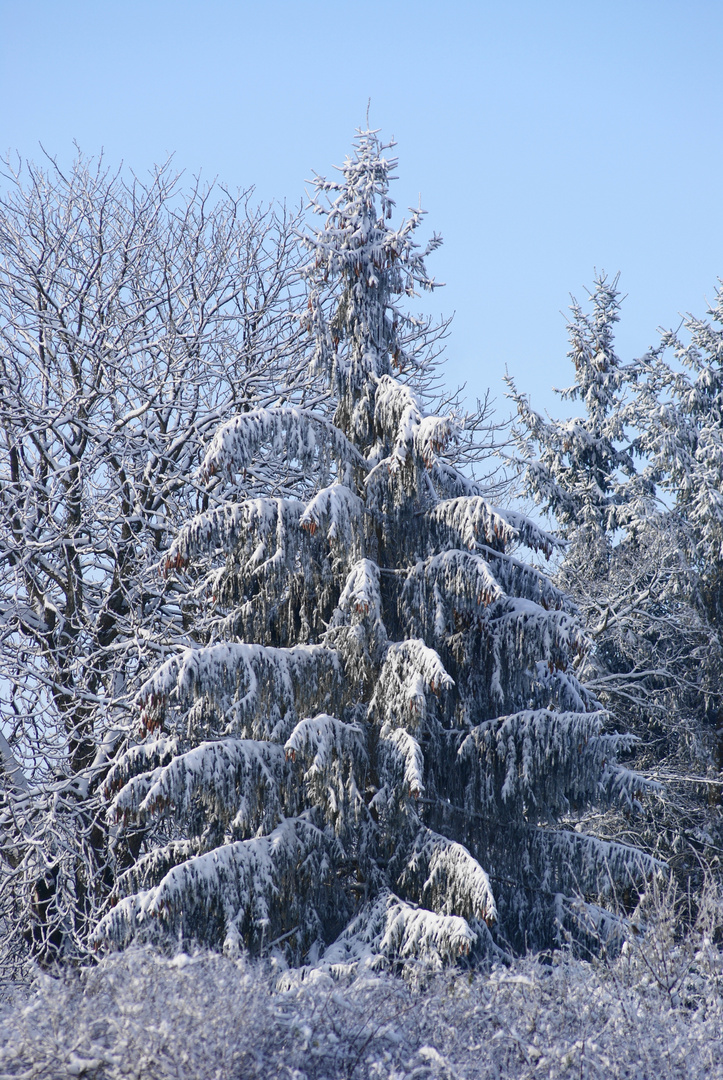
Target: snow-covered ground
(656,1011)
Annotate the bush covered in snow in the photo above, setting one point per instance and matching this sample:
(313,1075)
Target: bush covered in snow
(654,1011)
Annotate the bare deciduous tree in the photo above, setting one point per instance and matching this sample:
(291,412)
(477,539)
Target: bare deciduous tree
(134,317)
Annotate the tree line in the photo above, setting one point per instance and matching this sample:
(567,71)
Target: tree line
(284,667)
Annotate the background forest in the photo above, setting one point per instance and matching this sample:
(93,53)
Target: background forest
(290,675)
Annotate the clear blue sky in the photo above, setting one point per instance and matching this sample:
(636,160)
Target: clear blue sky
(545,138)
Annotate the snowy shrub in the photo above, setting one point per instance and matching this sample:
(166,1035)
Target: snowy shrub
(654,1011)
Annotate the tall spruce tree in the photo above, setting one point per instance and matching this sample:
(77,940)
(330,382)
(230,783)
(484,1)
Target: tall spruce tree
(379,751)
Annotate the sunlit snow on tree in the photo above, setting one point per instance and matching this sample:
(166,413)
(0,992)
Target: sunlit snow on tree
(134,318)
(378,751)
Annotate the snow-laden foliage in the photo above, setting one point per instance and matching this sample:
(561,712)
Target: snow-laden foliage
(306,441)
(134,318)
(405,677)
(680,403)
(656,1010)
(580,470)
(633,562)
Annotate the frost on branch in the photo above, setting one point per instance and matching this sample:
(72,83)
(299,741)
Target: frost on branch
(382,712)
(134,317)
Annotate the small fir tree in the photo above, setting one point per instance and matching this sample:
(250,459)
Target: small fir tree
(380,750)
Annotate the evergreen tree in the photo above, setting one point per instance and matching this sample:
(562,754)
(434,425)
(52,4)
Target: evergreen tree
(679,403)
(629,563)
(380,749)
(680,410)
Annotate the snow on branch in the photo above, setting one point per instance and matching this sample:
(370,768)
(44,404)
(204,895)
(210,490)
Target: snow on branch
(406,758)
(335,748)
(224,527)
(143,758)
(452,483)
(240,776)
(539,762)
(360,595)
(473,521)
(593,864)
(290,432)
(554,636)
(263,533)
(624,785)
(240,679)
(356,629)
(440,588)
(391,929)
(398,410)
(449,879)
(336,507)
(476,520)
(528,533)
(410,931)
(153,865)
(240,890)
(517,578)
(324,736)
(410,673)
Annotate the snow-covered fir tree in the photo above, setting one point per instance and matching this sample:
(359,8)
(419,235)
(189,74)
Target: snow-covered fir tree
(379,749)
(679,403)
(582,471)
(630,559)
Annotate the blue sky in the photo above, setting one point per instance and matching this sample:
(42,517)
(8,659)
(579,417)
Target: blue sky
(545,139)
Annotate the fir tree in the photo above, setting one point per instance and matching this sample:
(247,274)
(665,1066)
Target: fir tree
(679,403)
(680,408)
(380,750)
(630,562)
